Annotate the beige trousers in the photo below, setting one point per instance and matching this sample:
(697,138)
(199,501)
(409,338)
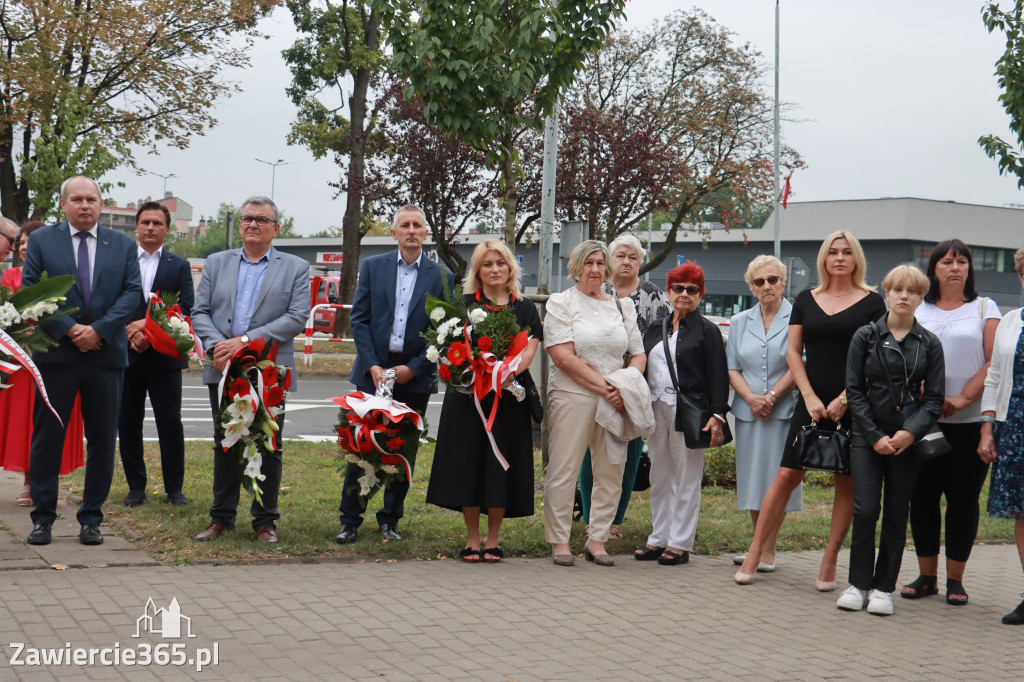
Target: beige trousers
(573,429)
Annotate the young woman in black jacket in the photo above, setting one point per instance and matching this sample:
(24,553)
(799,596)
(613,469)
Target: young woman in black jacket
(887,419)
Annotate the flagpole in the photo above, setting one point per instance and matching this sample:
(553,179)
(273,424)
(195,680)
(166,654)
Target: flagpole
(778,243)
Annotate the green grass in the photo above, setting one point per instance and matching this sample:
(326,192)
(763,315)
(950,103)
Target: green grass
(330,359)
(311,491)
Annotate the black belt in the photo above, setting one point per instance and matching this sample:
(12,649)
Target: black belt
(394,358)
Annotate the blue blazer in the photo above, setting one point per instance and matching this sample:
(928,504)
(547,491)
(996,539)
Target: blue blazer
(760,357)
(116,291)
(373,314)
(173,274)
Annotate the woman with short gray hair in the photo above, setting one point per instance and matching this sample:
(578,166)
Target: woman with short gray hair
(587,333)
(651,303)
(763,406)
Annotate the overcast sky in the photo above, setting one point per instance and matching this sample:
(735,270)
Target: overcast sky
(889,99)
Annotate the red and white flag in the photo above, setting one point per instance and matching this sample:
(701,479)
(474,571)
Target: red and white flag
(785,191)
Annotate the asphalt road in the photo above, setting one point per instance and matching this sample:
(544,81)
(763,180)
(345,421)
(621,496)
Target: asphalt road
(309,416)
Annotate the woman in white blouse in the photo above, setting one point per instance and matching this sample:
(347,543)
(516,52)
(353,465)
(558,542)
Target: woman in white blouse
(588,333)
(965,324)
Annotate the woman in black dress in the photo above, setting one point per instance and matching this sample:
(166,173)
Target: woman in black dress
(823,321)
(466,475)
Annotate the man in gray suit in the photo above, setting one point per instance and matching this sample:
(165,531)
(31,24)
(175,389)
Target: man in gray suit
(245,294)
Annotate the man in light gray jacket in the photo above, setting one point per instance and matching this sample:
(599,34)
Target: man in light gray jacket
(245,294)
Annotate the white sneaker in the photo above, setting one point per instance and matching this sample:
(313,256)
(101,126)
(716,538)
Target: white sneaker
(880,603)
(853,599)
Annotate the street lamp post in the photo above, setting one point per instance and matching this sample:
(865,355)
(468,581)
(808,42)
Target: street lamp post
(273,173)
(166,178)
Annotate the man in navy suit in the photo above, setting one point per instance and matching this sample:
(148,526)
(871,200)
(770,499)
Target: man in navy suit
(91,354)
(150,371)
(388,316)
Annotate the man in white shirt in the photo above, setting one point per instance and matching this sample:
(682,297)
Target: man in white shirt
(151,372)
(388,316)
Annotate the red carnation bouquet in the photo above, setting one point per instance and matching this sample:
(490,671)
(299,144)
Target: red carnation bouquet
(168,330)
(378,434)
(252,390)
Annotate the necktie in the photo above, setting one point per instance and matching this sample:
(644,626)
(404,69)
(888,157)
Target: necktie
(84,277)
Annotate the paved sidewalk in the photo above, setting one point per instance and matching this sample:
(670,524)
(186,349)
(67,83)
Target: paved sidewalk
(518,620)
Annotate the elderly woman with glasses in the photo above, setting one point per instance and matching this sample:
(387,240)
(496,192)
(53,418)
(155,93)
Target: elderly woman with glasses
(763,406)
(589,334)
(687,362)
(651,304)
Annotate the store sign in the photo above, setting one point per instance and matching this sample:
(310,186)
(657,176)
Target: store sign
(329,257)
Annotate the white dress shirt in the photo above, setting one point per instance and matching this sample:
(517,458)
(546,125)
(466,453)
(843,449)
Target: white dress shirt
(148,263)
(405,282)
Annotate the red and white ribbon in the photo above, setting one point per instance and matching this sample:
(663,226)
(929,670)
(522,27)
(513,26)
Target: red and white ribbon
(9,346)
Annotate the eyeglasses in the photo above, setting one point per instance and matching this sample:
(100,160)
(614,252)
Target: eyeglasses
(9,238)
(771,279)
(259,220)
(690,289)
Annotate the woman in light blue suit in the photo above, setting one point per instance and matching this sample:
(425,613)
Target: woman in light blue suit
(763,406)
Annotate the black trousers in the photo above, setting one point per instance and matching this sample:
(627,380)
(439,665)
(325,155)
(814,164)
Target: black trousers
(959,475)
(100,388)
(164,389)
(353,505)
(876,477)
(227,483)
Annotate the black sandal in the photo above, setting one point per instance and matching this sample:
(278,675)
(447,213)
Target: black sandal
(493,551)
(923,586)
(955,587)
(470,555)
(648,553)
(670,558)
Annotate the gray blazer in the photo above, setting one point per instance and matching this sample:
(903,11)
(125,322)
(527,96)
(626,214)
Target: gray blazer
(760,357)
(282,307)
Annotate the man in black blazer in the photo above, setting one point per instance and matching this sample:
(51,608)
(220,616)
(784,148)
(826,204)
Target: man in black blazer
(388,316)
(150,371)
(91,354)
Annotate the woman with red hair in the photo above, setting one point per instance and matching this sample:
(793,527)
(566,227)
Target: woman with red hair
(686,359)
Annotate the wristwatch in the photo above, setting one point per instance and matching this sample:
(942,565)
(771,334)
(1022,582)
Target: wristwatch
(244,338)
(842,399)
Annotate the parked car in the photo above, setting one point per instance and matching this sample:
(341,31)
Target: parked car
(723,326)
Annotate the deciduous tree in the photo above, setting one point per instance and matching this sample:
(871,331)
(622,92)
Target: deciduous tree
(420,163)
(673,117)
(474,63)
(1010,76)
(338,58)
(83,81)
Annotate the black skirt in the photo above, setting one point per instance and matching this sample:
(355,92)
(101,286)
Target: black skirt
(466,473)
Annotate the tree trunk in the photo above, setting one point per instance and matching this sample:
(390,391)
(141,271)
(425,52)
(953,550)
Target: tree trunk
(511,185)
(352,223)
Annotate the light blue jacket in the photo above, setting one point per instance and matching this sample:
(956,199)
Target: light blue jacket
(760,357)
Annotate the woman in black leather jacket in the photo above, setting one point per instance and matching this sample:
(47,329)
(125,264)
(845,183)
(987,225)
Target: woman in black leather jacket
(883,431)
